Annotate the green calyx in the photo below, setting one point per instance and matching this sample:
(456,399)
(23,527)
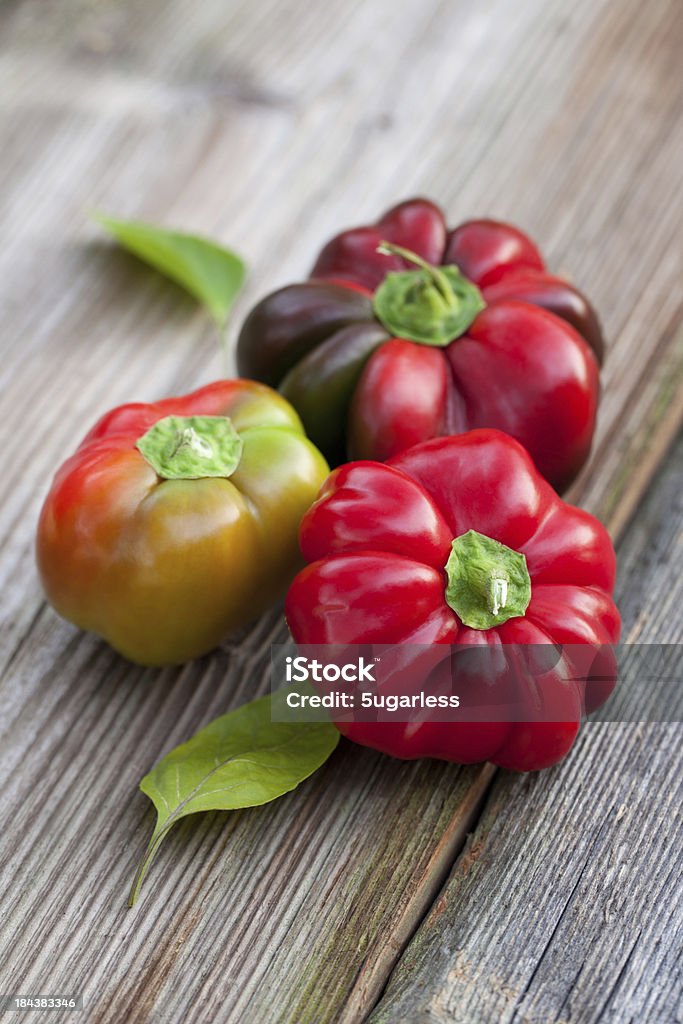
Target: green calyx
(432,305)
(488,583)
(192,447)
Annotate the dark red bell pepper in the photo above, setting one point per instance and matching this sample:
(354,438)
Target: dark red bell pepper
(432,334)
(458,541)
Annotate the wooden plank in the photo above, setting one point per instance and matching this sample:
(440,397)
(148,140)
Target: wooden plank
(270,125)
(567,904)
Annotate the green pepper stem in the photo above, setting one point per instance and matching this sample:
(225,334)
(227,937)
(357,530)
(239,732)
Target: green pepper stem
(438,278)
(428,304)
(189,438)
(488,582)
(191,447)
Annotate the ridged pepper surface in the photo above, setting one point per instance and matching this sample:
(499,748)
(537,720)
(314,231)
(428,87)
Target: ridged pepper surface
(409,331)
(460,541)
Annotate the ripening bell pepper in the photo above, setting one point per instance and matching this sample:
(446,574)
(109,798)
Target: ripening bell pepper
(458,541)
(175,523)
(410,331)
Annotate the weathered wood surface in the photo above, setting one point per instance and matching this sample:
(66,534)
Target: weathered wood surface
(567,902)
(270,124)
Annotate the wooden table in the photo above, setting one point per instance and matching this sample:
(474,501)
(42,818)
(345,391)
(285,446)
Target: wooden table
(417,892)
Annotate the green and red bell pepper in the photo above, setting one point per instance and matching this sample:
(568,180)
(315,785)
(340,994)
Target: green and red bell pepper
(174,523)
(408,331)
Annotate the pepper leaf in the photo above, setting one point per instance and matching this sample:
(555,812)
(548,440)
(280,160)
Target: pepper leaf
(212,274)
(242,759)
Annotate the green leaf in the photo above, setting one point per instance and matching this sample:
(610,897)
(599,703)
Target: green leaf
(210,273)
(241,759)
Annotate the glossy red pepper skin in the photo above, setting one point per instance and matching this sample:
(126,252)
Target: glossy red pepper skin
(528,364)
(165,568)
(378,538)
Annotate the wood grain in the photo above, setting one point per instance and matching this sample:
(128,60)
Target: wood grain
(583,920)
(270,125)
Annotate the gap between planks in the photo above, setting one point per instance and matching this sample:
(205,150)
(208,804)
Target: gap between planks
(375,973)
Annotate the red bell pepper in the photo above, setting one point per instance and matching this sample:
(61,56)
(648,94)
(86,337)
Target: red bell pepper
(434,333)
(457,541)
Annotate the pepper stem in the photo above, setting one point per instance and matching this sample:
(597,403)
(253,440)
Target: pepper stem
(192,447)
(437,276)
(488,582)
(498,595)
(428,304)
